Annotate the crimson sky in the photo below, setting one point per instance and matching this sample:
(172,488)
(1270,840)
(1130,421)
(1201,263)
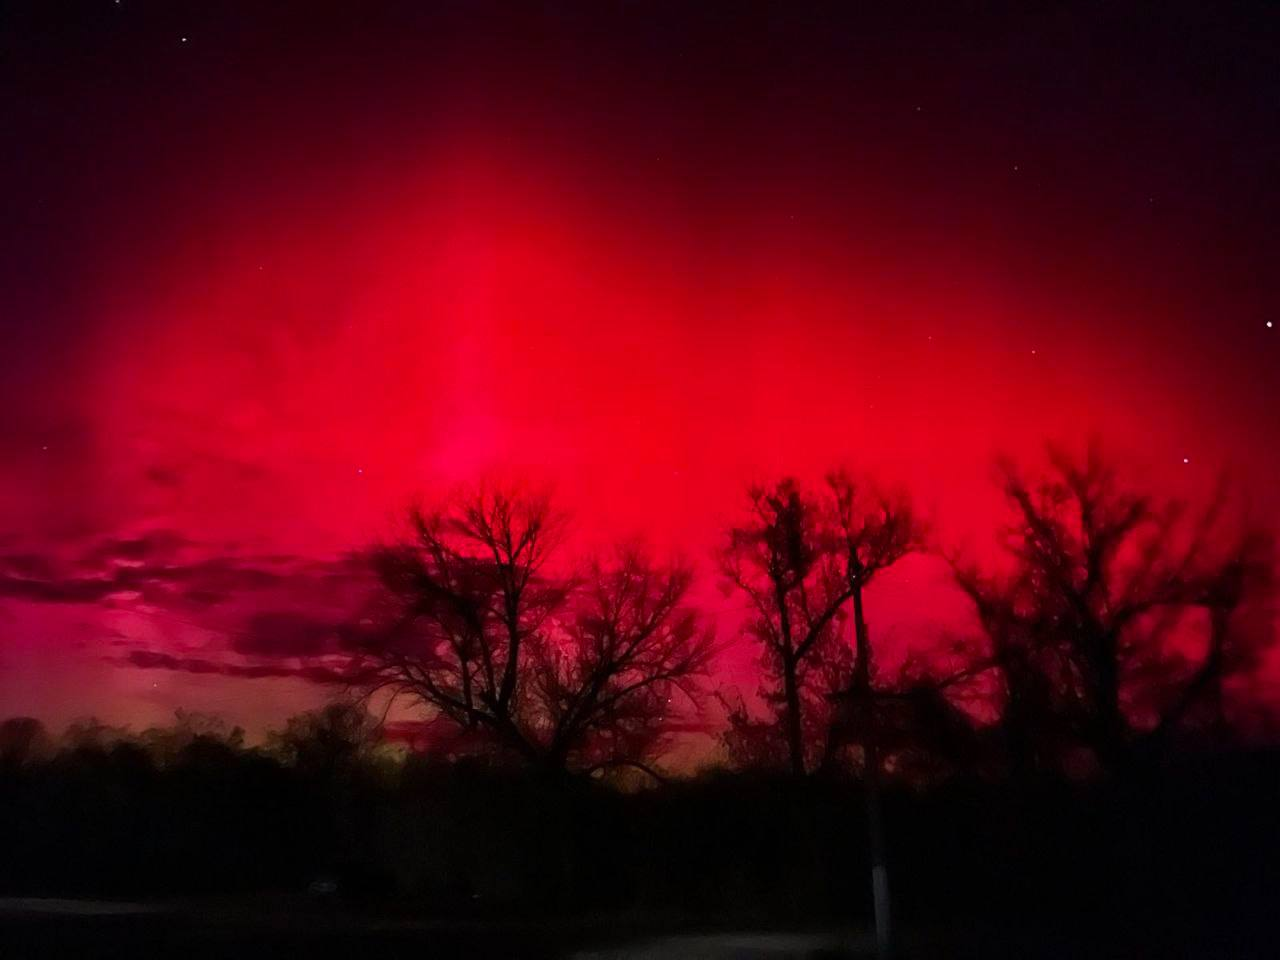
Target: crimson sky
(266,270)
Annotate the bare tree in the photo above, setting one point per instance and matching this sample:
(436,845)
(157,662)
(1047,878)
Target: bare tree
(629,660)
(1237,598)
(477,624)
(1032,724)
(800,560)
(462,595)
(783,560)
(875,531)
(1090,627)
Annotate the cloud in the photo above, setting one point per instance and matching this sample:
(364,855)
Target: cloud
(170,585)
(149,547)
(57,589)
(267,615)
(29,565)
(165,477)
(313,672)
(282,633)
(164,569)
(204,597)
(213,577)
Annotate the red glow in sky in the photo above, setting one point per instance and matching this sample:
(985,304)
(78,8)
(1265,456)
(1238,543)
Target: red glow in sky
(292,298)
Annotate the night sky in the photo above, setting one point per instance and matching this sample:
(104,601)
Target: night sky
(269,269)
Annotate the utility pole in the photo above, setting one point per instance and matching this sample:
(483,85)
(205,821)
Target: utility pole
(863,703)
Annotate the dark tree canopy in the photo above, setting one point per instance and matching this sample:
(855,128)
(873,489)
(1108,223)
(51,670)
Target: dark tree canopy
(1117,624)
(1121,618)
(483,623)
(801,560)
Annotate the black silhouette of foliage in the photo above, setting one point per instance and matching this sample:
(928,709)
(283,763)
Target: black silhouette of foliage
(23,742)
(1122,618)
(629,660)
(513,653)
(333,741)
(800,560)
(115,814)
(1120,628)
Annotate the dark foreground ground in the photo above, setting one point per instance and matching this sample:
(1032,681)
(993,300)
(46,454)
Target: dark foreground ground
(100,929)
(228,853)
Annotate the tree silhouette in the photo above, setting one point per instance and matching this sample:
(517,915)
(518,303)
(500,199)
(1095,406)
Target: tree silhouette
(1094,626)
(475,623)
(800,559)
(462,594)
(327,743)
(1120,627)
(876,531)
(606,690)
(23,741)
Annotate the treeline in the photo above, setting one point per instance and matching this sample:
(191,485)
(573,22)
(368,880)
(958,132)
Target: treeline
(1115,627)
(325,811)
(1099,743)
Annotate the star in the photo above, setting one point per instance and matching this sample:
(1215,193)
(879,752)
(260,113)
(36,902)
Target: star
(1269,324)
(1186,459)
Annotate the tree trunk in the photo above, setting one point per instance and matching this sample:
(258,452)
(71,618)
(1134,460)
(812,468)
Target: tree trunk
(871,760)
(1111,728)
(876,845)
(795,723)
